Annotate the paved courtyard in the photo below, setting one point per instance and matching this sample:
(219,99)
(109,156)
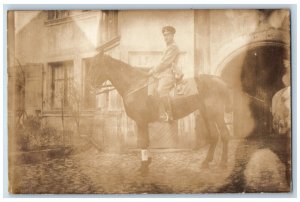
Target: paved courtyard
(91,171)
(171,171)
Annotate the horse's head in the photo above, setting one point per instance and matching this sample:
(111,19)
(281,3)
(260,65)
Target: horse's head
(97,73)
(120,74)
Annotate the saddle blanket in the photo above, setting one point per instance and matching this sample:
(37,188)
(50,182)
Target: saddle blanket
(185,87)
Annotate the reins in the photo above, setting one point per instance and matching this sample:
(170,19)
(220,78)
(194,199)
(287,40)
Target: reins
(140,88)
(111,88)
(108,87)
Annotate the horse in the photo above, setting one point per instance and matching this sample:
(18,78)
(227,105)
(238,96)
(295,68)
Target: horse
(281,111)
(212,101)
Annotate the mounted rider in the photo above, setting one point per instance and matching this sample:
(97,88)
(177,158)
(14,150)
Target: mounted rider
(167,72)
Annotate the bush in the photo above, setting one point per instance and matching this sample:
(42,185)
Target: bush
(33,137)
(32,123)
(27,135)
(50,137)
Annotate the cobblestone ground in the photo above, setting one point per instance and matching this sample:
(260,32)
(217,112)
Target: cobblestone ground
(97,172)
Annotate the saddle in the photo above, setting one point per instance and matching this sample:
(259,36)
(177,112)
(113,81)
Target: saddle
(184,87)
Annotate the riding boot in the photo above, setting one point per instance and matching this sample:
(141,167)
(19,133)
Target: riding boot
(168,108)
(163,115)
(165,110)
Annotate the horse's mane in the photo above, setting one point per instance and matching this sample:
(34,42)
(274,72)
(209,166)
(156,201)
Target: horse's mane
(130,69)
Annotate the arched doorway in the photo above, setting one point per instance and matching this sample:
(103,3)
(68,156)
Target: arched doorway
(255,75)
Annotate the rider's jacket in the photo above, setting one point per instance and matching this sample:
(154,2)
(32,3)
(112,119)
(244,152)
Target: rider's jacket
(168,65)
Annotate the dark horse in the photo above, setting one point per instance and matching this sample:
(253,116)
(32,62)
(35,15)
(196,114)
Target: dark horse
(131,83)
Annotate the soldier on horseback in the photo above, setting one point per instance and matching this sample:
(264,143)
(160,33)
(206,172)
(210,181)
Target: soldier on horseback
(167,72)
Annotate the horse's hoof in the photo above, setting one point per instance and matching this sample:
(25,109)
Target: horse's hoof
(144,168)
(144,172)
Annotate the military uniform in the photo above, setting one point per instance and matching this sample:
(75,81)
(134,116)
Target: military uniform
(167,69)
(167,72)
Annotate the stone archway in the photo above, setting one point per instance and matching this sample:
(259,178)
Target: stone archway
(233,48)
(254,73)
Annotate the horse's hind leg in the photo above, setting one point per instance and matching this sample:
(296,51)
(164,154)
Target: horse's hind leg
(213,139)
(224,132)
(212,130)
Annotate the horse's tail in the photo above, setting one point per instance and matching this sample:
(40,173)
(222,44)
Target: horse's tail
(226,95)
(228,100)
(220,90)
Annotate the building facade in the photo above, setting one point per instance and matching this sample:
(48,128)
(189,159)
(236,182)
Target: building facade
(53,51)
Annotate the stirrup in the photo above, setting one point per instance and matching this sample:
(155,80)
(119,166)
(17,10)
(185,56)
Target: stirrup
(164,117)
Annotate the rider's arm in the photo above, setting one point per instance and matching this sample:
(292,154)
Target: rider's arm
(167,59)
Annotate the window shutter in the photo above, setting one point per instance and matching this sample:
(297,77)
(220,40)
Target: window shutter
(33,88)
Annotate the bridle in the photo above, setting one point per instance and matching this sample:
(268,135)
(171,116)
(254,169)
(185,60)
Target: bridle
(105,88)
(99,89)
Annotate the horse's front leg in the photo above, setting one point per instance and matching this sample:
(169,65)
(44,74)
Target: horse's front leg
(143,143)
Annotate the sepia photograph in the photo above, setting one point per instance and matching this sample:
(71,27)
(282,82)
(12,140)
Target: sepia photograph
(149,101)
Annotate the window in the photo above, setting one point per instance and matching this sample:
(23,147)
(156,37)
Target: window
(61,84)
(58,14)
(89,100)
(109,25)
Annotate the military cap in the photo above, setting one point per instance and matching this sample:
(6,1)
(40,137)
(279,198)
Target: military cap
(168,29)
